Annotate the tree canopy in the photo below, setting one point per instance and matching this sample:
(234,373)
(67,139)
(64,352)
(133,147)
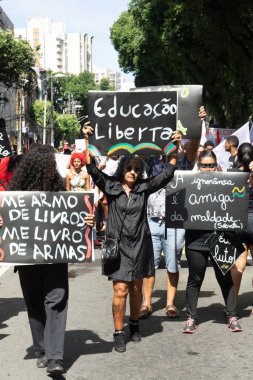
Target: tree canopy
(16,59)
(192,42)
(76,86)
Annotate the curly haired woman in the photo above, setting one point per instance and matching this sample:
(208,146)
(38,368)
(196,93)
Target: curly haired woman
(77,178)
(44,286)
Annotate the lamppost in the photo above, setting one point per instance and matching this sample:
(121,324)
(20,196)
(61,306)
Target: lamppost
(50,77)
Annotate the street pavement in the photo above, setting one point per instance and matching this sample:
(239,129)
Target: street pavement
(213,352)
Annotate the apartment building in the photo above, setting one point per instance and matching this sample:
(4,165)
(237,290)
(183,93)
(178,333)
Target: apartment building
(55,49)
(7,95)
(113,76)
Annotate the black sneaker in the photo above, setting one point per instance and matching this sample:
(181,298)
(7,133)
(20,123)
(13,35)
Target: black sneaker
(119,341)
(135,335)
(190,326)
(42,362)
(233,324)
(55,367)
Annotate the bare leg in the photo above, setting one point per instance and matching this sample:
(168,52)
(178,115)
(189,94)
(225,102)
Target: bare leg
(147,290)
(121,290)
(238,269)
(172,283)
(135,290)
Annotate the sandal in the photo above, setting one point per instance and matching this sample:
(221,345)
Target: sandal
(145,312)
(171,311)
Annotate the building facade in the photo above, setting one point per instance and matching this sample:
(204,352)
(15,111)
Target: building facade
(7,95)
(55,49)
(113,77)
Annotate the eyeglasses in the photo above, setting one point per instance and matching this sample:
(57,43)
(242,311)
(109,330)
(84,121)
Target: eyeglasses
(210,166)
(135,169)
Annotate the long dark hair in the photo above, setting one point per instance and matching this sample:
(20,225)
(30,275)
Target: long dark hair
(124,162)
(245,155)
(37,172)
(207,154)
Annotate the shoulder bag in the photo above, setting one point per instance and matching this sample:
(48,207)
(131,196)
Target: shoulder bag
(110,247)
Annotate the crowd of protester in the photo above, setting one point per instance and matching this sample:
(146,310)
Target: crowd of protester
(130,197)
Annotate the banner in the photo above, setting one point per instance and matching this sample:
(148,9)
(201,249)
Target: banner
(45,227)
(207,201)
(223,156)
(5,148)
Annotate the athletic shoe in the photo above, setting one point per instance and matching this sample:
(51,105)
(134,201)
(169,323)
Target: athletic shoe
(190,326)
(119,341)
(233,324)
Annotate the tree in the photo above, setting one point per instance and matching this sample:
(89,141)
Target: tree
(76,86)
(16,59)
(105,85)
(37,112)
(67,127)
(206,42)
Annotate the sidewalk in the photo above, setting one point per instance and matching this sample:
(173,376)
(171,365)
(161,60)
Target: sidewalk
(164,352)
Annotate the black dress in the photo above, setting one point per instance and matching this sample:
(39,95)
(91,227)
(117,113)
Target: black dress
(136,249)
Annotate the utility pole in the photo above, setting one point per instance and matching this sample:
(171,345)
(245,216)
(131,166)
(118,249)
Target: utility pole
(52,112)
(45,119)
(19,148)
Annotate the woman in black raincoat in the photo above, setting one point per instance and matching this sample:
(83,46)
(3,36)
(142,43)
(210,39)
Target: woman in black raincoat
(127,195)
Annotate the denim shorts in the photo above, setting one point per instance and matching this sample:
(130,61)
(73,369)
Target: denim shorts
(171,247)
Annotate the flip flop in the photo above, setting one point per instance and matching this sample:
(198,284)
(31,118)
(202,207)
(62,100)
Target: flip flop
(145,312)
(171,311)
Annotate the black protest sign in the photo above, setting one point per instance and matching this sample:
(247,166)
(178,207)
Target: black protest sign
(5,148)
(45,227)
(207,201)
(225,249)
(189,101)
(128,122)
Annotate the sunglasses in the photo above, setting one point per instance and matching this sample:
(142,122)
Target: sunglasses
(135,169)
(210,166)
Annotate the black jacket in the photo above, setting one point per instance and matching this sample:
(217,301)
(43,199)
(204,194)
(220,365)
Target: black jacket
(136,249)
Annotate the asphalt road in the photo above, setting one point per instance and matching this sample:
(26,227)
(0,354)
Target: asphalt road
(213,352)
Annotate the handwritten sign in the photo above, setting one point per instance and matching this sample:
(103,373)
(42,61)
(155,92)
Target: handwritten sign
(128,122)
(189,101)
(225,249)
(45,227)
(5,148)
(207,201)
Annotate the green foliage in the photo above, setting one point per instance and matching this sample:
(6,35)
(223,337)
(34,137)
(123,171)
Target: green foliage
(105,85)
(66,127)
(195,42)
(37,112)
(16,58)
(75,85)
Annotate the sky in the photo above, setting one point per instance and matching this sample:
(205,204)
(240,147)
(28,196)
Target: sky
(94,17)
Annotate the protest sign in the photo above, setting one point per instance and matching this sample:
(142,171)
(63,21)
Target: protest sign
(45,227)
(128,122)
(62,160)
(225,248)
(189,101)
(80,145)
(5,148)
(207,201)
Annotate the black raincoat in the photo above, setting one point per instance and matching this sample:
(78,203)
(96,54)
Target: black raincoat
(135,245)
